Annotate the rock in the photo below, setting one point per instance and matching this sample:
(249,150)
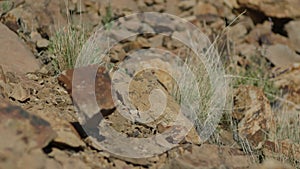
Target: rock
(262,35)
(237,32)
(66,134)
(281,55)
(67,161)
(246,50)
(84,93)
(15,57)
(206,12)
(271,164)
(23,135)
(36,131)
(156,41)
(171,8)
(19,93)
(292,29)
(288,78)
(210,156)
(231,3)
(252,117)
(205,9)
(159,8)
(159,1)
(187,4)
(284,148)
(35,36)
(274,8)
(42,43)
(41,16)
(117,53)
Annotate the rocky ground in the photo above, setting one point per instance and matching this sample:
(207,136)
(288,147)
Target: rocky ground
(259,45)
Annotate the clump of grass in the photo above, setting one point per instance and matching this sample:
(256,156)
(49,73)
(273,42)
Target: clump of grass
(257,73)
(65,47)
(108,17)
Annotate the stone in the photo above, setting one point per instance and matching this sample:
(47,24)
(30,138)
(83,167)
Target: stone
(159,1)
(237,32)
(36,130)
(288,78)
(66,134)
(171,8)
(285,148)
(84,93)
(292,29)
(274,8)
(15,57)
(23,135)
(262,35)
(156,41)
(42,16)
(271,164)
(205,9)
(281,55)
(35,36)
(209,156)
(117,53)
(186,5)
(19,93)
(253,118)
(206,12)
(42,43)
(231,3)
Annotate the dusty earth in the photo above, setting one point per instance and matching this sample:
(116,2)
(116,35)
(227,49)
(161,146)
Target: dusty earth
(39,121)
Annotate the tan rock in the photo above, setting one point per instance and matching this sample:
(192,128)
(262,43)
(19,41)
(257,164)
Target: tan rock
(15,56)
(66,134)
(42,43)
(205,9)
(281,55)
(37,15)
(274,8)
(262,35)
(271,164)
(285,148)
(292,29)
(237,32)
(23,135)
(185,5)
(19,93)
(209,156)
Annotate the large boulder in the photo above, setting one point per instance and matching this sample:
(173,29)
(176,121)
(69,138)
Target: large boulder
(15,56)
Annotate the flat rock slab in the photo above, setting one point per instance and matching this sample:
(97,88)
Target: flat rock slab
(15,57)
(36,132)
(23,136)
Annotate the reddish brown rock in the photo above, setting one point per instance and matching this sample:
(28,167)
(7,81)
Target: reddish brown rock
(252,116)
(84,94)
